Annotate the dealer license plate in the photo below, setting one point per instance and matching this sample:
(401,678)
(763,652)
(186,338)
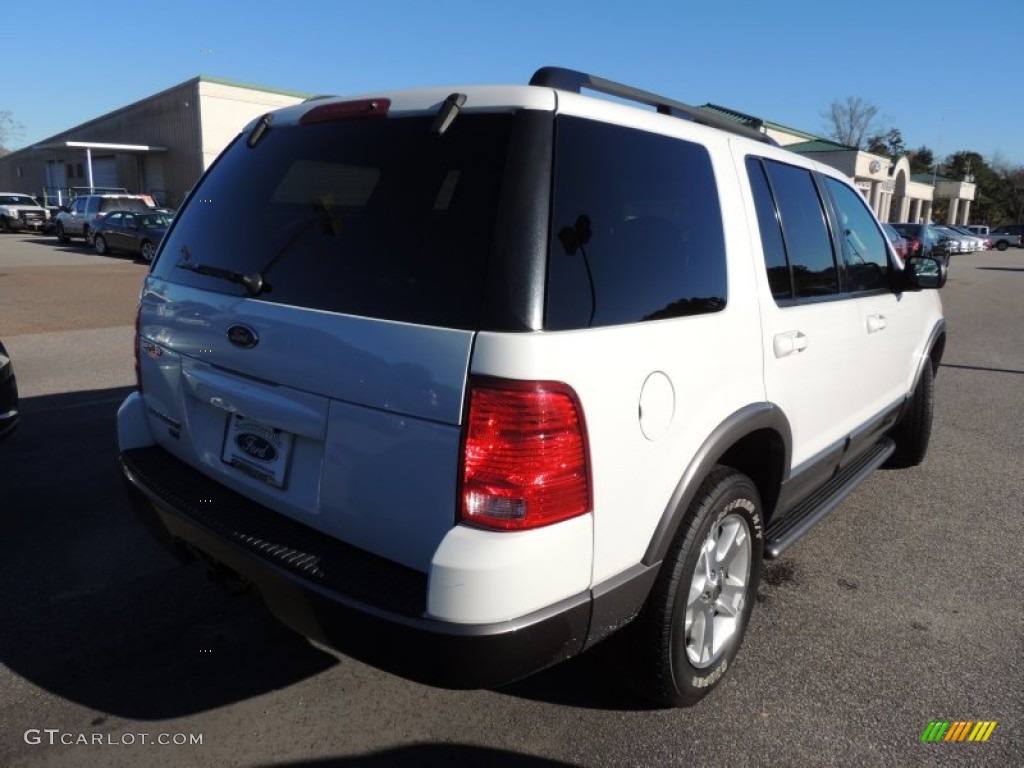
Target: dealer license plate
(257,449)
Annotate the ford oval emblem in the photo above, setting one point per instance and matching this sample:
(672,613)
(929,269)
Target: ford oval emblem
(243,336)
(256,447)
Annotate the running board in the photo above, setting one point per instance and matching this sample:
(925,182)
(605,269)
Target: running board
(781,533)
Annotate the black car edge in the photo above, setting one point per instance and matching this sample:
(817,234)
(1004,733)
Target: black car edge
(9,413)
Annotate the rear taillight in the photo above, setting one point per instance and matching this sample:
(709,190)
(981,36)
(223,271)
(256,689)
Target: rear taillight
(524,462)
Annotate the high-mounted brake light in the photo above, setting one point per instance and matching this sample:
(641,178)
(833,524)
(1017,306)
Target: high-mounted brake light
(525,463)
(347,110)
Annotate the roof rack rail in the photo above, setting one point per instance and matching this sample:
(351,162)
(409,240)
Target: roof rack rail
(572,80)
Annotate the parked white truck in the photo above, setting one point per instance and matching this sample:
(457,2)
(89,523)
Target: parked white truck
(998,237)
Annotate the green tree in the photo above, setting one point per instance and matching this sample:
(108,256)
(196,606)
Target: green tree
(922,160)
(1010,195)
(889,144)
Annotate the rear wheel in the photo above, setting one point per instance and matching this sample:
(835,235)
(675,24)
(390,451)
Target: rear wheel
(697,613)
(100,244)
(148,250)
(1002,245)
(914,431)
(88,235)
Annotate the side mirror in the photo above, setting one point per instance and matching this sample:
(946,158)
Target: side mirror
(923,272)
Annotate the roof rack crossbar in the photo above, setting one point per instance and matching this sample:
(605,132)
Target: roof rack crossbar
(574,81)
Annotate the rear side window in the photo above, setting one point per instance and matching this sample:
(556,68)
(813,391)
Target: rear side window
(379,218)
(798,216)
(636,230)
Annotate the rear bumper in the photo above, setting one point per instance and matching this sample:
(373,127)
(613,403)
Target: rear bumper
(361,604)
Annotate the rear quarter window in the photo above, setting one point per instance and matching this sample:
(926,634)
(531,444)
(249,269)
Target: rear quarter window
(636,230)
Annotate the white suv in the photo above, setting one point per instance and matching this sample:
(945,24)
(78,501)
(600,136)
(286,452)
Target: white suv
(464,382)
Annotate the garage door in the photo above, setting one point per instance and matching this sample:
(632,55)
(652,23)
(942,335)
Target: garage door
(104,172)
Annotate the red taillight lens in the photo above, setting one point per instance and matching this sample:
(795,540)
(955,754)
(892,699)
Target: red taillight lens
(347,110)
(524,464)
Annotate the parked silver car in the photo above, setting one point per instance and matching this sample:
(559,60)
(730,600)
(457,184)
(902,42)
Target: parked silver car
(80,219)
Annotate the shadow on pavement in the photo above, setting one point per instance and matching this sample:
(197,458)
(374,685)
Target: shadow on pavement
(93,610)
(97,613)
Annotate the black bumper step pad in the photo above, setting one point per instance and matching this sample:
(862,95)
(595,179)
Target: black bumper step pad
(351,573)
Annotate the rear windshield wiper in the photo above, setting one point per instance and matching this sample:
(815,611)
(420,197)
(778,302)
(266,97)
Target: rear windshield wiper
(253,284)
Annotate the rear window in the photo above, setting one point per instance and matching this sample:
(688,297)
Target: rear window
(377,217)
(123,204)
(636,231)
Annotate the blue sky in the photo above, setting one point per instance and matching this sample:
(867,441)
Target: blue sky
(947,74)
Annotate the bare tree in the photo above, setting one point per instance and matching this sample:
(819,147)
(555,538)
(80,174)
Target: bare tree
(10,129)
(852,121)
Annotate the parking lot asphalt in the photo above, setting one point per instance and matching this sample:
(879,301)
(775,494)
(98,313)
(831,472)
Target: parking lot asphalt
(904,606)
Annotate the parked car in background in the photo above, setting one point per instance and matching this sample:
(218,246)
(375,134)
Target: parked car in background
(131,231)
(964,243)
(899,242)
(999,238)
(979,243)
(927,240)
(1005,236)
(9,413)
(85,212)
(18,212)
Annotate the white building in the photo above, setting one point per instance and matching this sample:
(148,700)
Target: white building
(886,184)
(157,146)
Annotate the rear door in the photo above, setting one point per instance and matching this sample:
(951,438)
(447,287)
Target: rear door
(890,323)
(811,331)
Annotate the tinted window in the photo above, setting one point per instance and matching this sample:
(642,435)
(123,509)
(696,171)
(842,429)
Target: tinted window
(864,248)
(123,204)
(16,200)
(379,218)
(771,232)
(114,219)
(808,244)
(636,231)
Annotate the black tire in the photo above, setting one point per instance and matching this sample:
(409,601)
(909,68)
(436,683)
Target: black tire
(87,234)
(4,226)
(915,428)
(726,505)
(62,236)
(100,244)
(148,251)
(1002,245)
